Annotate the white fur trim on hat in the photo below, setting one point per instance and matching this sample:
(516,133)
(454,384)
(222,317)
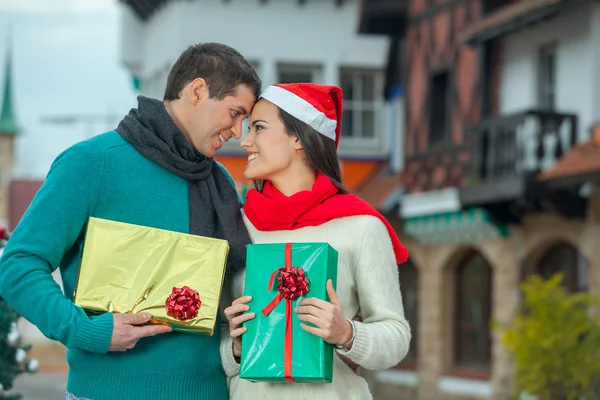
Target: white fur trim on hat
(301,109)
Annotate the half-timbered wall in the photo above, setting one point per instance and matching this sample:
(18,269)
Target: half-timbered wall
(437,153)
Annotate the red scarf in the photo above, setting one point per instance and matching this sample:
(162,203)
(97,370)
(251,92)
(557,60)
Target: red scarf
(273,211)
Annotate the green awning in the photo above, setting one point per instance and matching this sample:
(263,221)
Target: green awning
(470,225)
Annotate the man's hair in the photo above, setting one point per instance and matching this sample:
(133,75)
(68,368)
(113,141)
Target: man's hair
(222,67)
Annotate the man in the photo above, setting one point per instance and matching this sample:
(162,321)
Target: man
(155,170)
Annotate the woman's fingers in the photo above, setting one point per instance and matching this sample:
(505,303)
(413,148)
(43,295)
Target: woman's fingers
(237,321)
(310,319)
(311,310)
(242,300)
(318,303)
(235,325)
(235,314)
(234,310)
(236,333)
(315,331)
(237,307)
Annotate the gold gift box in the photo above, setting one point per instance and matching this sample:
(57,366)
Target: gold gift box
(127,268)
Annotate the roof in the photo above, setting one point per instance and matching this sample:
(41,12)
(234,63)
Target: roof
(8,121)
(382,190)
(582,160)
(511,17)
(20,194)
(145,8)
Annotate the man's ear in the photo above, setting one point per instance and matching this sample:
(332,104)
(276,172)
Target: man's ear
(198,91)
(297,143)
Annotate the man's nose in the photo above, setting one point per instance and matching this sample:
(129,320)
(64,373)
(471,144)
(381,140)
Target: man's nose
(236,130)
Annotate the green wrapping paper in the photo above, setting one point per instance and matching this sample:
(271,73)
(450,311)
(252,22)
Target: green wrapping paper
(273,351)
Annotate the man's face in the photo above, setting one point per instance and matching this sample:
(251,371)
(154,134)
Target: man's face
(212,122)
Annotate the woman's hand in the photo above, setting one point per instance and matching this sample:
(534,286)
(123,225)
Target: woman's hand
(236,316)
(330,323)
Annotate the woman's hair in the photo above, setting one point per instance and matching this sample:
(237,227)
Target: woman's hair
(321,153)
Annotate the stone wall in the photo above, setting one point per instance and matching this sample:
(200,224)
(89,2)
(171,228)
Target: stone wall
(509,259)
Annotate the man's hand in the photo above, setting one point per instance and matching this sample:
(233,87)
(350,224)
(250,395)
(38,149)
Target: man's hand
(126,333)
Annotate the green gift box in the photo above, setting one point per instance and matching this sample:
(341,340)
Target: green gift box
(275,348)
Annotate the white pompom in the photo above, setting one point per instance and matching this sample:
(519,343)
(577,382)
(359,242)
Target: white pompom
(21,356)
(1,387)
(13,338)
(32,366)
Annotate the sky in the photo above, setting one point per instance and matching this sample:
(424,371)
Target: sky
(65,62)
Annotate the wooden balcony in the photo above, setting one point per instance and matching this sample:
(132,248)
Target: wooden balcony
(503,19)
(508,152)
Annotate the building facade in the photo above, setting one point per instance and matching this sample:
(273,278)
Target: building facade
(286,41)
(499,174)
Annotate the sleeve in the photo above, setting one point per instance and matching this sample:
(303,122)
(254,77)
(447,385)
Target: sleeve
(47,232)
(383,337)
(230,365)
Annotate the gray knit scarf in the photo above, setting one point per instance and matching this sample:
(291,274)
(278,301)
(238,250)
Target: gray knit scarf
(213,201)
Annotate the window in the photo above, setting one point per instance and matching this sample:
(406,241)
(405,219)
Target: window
(295,73)
(410,292)
(565,259)
(489,72)
(439,112)
(363,102)
(547,77)
(473,311)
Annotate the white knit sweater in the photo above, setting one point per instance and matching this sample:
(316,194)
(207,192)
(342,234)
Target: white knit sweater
(367,284)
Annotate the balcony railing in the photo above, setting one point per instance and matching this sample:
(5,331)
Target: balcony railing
(509,146)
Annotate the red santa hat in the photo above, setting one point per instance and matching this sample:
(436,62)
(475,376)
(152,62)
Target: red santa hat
(319,106)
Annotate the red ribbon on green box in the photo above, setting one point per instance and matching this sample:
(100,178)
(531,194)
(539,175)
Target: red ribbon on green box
(293,283)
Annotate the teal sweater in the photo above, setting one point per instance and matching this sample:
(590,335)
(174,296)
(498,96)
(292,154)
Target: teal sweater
(104,177)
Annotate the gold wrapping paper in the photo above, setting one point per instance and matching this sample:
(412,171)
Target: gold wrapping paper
(127,268)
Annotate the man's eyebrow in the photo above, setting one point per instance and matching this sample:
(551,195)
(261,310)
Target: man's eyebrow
(242,110)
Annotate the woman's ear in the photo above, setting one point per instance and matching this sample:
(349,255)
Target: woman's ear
(297,143)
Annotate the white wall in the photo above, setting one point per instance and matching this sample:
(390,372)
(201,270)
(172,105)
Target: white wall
(578,79)
(595,55)
(132,54)
(278,31)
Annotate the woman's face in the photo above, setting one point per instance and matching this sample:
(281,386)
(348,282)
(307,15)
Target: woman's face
(271,151)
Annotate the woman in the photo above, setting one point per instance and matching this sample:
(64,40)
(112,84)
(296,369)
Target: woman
(291,146)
